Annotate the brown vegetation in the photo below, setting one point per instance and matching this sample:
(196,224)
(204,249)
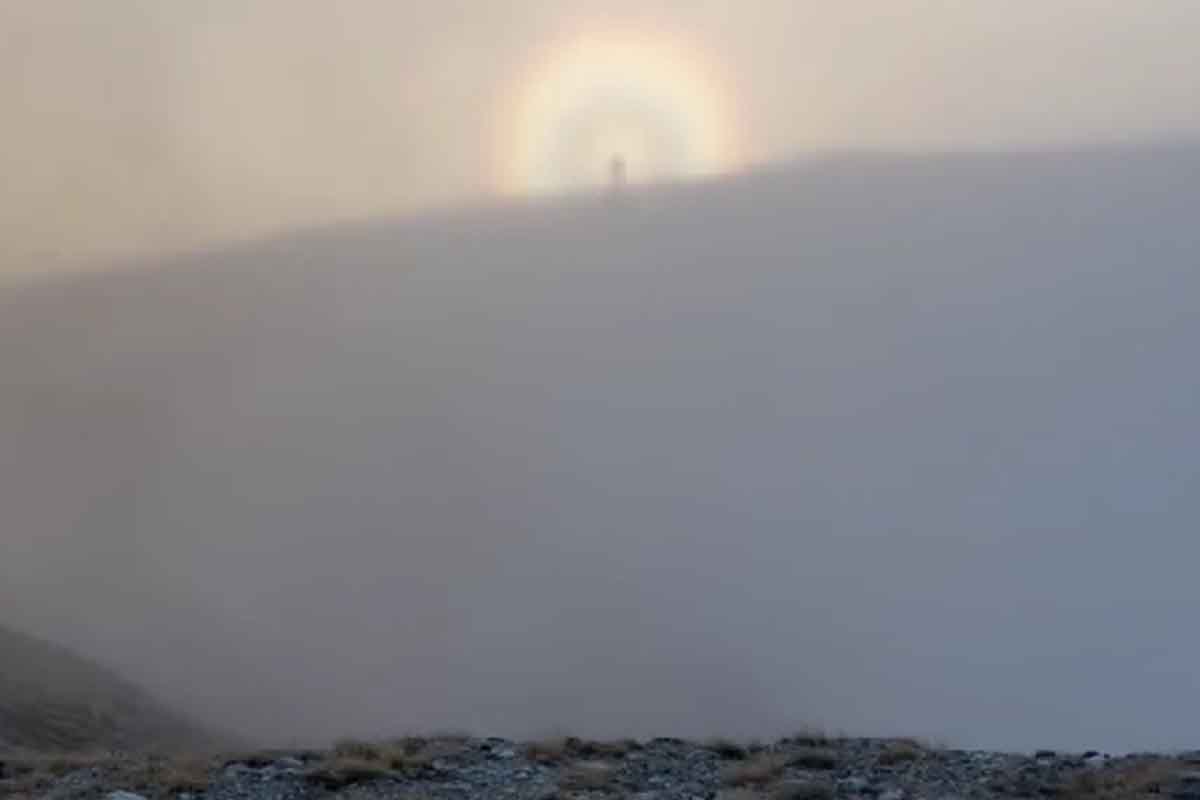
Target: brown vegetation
(901,751)
(340,771)
(561,749)
(548,751)
(52,700)
(811,737)
(354,761)
(727,748)
(590,748)
(588,776)
(1141,779)
(760,770)
(31,774)
(814,758)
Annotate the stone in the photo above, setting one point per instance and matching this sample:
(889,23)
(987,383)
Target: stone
(1186,786)
(855,785)
(802,790)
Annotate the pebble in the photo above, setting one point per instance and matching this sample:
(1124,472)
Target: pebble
(855,785)
(661,769)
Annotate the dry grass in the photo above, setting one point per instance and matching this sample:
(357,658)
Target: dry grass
(179,774)
(354,761)
(561,749)
(340,771)
(548,751)
(814,758)
(587,776)
(901,751)
(760,770)
(266,757)
(21,777)
(441,747)
(59,764)
(151,776)
(593,749)
(811,737)
(407,755)
(726,748)
(1142,779)
(53,700)
(356,748)
(450,736)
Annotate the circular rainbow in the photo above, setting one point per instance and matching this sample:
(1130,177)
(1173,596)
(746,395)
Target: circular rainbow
(652,104)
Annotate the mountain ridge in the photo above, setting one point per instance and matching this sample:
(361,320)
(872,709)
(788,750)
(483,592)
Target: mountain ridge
(54,700)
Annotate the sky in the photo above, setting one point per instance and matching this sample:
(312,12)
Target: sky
(867,405)
(137,127)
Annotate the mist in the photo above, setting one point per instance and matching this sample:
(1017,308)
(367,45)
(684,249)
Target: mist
(316,419)
(879,444)
(136,128)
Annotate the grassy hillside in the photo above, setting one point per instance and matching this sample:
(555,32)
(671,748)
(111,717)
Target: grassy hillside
(52,699)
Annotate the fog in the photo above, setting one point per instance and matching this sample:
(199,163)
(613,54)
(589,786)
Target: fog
(135,127)
(320,415)
(883,444)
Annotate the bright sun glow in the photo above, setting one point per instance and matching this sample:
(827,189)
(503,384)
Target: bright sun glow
(657,106)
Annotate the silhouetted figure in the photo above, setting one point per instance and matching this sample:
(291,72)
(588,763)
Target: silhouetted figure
(616,173)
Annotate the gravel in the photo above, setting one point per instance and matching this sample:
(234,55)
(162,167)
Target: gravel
(662,769)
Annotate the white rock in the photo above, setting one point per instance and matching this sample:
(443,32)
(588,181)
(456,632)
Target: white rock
(124,796)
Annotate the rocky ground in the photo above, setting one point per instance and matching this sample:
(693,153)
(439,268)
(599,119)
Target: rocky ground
(461,768)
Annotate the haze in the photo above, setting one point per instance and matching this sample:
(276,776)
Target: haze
(887,427)
(137,126)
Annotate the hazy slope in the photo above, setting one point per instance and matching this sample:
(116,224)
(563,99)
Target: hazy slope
(52,699)
(892,444)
